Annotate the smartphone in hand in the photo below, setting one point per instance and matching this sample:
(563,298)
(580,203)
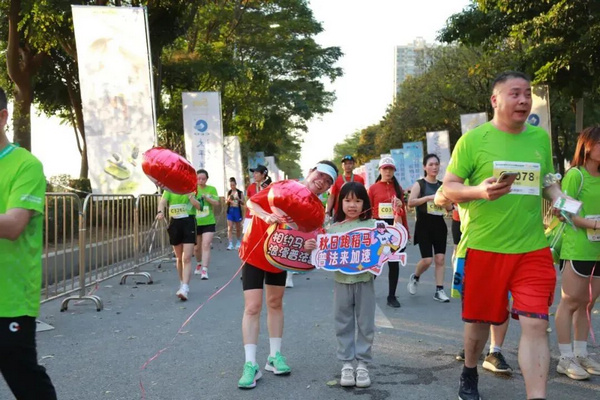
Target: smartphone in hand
(507,177)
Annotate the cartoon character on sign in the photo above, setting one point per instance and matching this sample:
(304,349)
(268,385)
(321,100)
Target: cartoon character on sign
(389,242)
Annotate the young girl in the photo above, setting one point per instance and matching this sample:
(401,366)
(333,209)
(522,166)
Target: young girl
(354,295)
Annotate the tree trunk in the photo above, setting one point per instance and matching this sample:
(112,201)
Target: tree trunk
(22,117)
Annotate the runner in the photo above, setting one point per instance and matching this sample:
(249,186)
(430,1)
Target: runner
(580,256)
(431,231)
(494,361)
(353,295)
(235,199)
(506,249)
(22,189)
(261,178)
(182,233)
(205,223)
(387,202)
(348,163)
(259,275)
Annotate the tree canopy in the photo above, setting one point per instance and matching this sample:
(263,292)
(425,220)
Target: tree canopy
(259,54)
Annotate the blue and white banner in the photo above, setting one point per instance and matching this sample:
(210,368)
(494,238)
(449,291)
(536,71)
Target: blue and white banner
(413,161)
(203,132)
(401,171)
(438,143)
(256,158)
(540,109)
(233,162)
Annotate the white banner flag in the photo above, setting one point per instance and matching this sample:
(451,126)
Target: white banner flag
(540,109)
(116,91)
(471,121)
(438,143)
(203,132)
(233,162)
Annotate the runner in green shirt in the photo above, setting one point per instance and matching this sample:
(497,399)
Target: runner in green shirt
(182,233)
(580,260)
(206,223)
(22,189)
(507,249)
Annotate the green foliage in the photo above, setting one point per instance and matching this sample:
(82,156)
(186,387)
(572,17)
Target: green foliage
(348,147)
(259,54)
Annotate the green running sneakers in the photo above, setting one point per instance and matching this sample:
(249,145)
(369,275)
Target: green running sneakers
(277,365)
(249,377)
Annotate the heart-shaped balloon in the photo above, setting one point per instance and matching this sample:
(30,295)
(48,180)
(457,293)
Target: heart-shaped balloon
(298,206)
(169,170)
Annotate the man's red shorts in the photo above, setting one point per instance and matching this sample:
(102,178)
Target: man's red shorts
(489,277)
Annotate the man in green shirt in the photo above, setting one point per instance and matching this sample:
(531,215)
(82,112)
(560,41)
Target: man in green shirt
(506,246)
(22,188)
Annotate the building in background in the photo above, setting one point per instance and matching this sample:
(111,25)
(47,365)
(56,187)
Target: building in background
(410,60)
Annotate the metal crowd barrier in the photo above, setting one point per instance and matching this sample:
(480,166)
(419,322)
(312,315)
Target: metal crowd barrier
(88,242)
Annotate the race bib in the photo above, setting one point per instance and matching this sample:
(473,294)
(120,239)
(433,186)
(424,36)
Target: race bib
(593,234)
(204,212)
(178,211)
(433,209)
(386,211)
(528,176)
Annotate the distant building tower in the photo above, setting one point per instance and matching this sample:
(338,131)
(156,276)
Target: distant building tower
(410,60)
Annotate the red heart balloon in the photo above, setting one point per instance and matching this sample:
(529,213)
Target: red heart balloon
(293,201)
(169,170)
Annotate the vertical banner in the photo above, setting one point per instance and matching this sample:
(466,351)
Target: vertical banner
(413,161)
(233,162)
(113,54)
(472,121)
(540,109)
(401,171)
(372,171)
(439,143)
(203,132)
(256,158)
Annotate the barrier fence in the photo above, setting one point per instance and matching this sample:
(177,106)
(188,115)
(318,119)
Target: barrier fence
(89,241)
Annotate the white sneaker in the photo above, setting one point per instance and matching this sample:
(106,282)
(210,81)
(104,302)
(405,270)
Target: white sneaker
(204,273)
(347,378)
(289,283)
(183,292)
(362,376)
(591,366)
(238,245)
(440,295)
(571,368)
(198,269)
(230,247)
(412,284)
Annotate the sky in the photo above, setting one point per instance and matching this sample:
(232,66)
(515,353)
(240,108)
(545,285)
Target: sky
(367,37)
(366,32)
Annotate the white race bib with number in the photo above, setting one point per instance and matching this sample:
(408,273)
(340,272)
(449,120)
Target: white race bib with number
(178,211)
(204,212)
(386,211)
(528,176)
(432,209)
(593,234)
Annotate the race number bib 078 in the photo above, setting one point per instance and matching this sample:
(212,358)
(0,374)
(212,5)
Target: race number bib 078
(178,211)
(593,234)
(386,211)
(528,176)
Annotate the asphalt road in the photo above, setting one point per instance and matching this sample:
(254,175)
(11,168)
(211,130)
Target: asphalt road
(99,355)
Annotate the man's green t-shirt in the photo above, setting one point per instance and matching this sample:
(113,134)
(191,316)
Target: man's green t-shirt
(22,185)
(206,216)
(179,205)
(345,227)
(576,243)
(513,223)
